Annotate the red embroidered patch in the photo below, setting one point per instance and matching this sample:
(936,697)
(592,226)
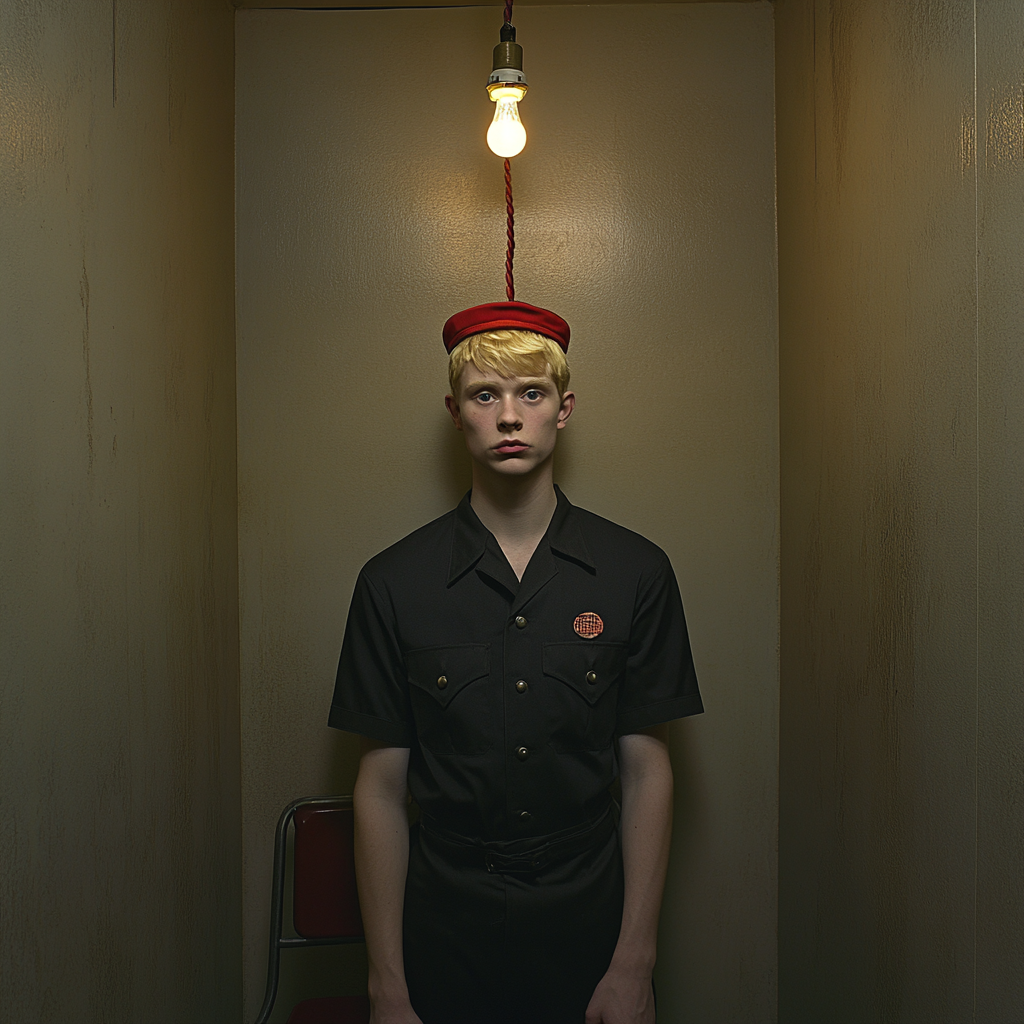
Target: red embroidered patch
(588,625)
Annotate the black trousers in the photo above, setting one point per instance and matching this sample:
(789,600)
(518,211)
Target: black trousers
(511,933)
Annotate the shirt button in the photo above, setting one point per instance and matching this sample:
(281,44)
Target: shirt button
(520,622)
(591,678)
(442,682)
(521,686)
(525,815)
(522,753)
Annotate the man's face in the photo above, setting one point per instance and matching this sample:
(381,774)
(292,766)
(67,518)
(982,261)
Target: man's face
(511,423)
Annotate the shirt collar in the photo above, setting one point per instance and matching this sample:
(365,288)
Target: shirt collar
(564,534)
(470,537)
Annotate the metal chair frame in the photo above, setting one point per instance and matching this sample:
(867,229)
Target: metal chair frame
(277,940)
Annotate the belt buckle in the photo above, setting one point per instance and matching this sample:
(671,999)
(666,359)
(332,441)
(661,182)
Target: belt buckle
(513,865)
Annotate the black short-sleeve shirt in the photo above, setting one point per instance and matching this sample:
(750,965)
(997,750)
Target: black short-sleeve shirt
(510,694)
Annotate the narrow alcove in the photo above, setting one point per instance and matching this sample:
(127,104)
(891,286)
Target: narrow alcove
(789,241)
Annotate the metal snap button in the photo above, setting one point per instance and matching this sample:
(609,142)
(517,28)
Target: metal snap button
(525,815)
(442,682)
(521,686)
(591,678)
(522,753)
(520,622)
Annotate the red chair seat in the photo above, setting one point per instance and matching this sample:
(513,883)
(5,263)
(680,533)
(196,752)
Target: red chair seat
(334,1010)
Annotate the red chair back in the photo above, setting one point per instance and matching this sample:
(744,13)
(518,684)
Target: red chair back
(325,907)
(324,902)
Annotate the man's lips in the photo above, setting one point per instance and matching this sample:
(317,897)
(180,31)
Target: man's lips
(511,447)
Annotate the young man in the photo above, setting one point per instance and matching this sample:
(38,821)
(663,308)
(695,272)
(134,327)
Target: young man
(505,663)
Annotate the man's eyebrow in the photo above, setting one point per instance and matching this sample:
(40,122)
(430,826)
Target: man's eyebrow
(525,382)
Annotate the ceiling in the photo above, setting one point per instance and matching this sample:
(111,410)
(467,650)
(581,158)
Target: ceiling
(363,4)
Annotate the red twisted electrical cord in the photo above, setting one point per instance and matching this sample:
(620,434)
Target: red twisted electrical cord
(510,287)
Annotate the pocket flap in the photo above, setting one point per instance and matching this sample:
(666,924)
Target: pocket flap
(589,668)
(444,671)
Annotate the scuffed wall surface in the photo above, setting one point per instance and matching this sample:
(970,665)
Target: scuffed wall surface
(999,989)
(366,217)
(900,215)
(119,761)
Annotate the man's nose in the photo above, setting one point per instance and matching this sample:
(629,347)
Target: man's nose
(508,416)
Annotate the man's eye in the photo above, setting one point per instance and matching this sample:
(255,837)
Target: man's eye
(484,396)
(532,395)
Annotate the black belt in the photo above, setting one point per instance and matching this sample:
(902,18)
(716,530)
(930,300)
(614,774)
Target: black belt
(523,856)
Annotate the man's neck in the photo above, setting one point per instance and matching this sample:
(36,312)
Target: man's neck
(516,510)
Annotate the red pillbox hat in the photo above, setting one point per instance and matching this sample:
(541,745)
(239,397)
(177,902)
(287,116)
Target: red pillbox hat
(495,316)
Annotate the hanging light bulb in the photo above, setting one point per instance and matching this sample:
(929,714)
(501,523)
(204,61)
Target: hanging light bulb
(506,135)
(506,86)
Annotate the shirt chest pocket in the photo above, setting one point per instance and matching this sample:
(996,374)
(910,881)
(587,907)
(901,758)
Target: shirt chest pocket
(449,695)
(588,675)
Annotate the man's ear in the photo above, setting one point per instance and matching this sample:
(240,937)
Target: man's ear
(453,409)
(566,408)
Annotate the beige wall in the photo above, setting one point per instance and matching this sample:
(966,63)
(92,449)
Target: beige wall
(901,240)
(365,217)
(119,814)
(900,157)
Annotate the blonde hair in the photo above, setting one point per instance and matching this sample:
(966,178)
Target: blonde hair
(512,353)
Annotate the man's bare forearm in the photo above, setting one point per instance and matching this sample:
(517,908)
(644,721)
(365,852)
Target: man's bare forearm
(646,835)
(382,863)
(624,995)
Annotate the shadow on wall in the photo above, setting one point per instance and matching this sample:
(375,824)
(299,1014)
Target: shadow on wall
(453,461)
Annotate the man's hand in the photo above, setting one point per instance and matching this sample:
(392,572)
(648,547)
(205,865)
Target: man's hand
(395,1013)
(622,997)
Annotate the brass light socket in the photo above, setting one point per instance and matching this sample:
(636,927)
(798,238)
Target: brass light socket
(508,54)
